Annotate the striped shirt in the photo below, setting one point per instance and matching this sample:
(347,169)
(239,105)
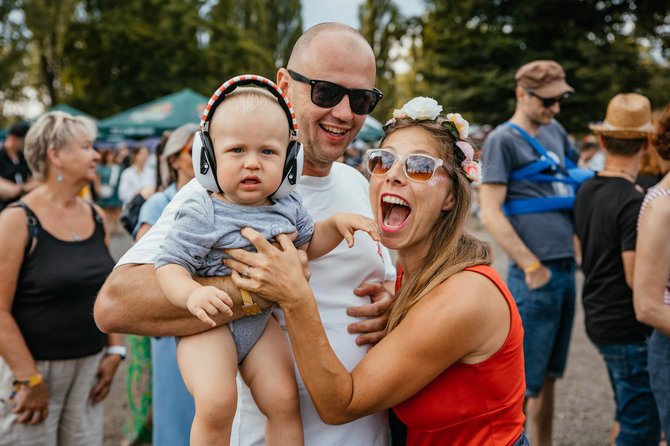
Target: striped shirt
(651,194)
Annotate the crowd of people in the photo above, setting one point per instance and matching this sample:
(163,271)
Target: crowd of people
(250,233)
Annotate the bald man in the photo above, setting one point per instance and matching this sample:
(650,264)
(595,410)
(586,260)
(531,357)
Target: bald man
(351,286)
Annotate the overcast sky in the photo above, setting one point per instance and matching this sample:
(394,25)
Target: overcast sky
(346,11)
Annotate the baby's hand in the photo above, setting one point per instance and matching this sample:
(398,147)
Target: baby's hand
(347,224)
(208,300)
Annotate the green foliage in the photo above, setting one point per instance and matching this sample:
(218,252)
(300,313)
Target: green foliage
(120,56)
(105,56)
(382,26)
(13,54)
(250,36)
(472,48)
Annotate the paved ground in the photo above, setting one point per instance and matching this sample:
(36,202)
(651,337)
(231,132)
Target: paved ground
(584,402)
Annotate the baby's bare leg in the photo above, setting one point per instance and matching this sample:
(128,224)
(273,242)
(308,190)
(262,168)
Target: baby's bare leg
(268,371)
(208,364)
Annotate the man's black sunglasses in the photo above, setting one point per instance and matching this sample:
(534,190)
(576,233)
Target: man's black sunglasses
(328,94)
(548,102)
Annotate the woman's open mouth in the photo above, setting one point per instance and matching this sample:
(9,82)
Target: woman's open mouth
(395,212)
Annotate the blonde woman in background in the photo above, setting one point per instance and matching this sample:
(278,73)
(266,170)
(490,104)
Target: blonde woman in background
(56,366)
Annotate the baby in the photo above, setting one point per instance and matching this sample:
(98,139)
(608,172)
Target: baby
(248,160)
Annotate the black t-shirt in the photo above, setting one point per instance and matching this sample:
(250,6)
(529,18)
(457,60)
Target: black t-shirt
(16,172)
(606,210)
(55,293)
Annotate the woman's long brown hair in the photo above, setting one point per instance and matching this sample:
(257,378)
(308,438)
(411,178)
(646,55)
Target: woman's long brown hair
(451,248)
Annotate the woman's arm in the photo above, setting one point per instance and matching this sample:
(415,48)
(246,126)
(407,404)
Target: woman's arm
(13,239)
(652,264)
(32,401)
(443,328)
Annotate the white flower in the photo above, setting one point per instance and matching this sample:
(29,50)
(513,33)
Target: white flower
(399,113)
(422,108)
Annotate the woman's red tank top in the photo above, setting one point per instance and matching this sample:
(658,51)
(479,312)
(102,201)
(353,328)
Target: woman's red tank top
(472,404)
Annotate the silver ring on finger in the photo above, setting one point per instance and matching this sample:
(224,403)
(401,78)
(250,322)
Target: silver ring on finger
(247,272)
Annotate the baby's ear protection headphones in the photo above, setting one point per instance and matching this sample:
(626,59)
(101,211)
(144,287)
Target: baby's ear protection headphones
(204,161)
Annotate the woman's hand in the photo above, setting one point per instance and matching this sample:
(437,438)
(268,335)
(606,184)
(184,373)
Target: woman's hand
(278,274)
(105,375)
(32,404)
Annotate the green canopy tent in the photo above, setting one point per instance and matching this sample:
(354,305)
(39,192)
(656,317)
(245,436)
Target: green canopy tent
(151,119)
(372,130)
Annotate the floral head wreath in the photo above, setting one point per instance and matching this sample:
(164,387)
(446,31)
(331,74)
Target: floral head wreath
(427,109)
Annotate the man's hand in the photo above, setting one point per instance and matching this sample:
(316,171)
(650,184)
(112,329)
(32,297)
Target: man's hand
(538,277)
(374,328)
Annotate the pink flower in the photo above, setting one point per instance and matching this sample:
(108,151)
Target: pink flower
(473,171)
(467,150)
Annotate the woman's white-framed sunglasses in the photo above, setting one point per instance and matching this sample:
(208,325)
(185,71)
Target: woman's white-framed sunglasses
(417,166)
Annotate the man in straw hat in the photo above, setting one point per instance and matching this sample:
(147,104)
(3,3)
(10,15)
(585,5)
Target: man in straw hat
(606,210)
(537,238)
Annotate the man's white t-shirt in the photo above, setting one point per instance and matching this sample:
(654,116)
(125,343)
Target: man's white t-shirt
(334,277)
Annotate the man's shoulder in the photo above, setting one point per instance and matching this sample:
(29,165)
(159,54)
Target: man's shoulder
(501,137)
(345,175)
(4,157)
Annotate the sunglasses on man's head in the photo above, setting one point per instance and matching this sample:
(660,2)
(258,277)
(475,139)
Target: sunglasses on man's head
(417,167)
(328,94)
(549,102)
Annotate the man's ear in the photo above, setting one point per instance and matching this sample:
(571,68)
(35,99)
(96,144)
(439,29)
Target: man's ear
(283,83)
(449,202)
(519,93)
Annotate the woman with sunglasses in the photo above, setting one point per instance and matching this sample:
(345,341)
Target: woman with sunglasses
(175,169)
(451,364)
(55,366)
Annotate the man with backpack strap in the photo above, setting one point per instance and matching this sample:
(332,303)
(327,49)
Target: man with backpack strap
(529,183)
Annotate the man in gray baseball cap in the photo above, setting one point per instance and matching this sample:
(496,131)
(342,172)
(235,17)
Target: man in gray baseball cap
(527,208)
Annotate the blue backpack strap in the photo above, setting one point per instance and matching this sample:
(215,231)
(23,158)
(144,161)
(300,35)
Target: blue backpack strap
(540,204)
(544,157)
(532,141)
(31,222)
(545,169)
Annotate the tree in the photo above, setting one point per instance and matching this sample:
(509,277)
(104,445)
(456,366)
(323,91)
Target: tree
(251,36)
(472,49)
(13,57)
(383,27)
(48,20)
(121,56)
